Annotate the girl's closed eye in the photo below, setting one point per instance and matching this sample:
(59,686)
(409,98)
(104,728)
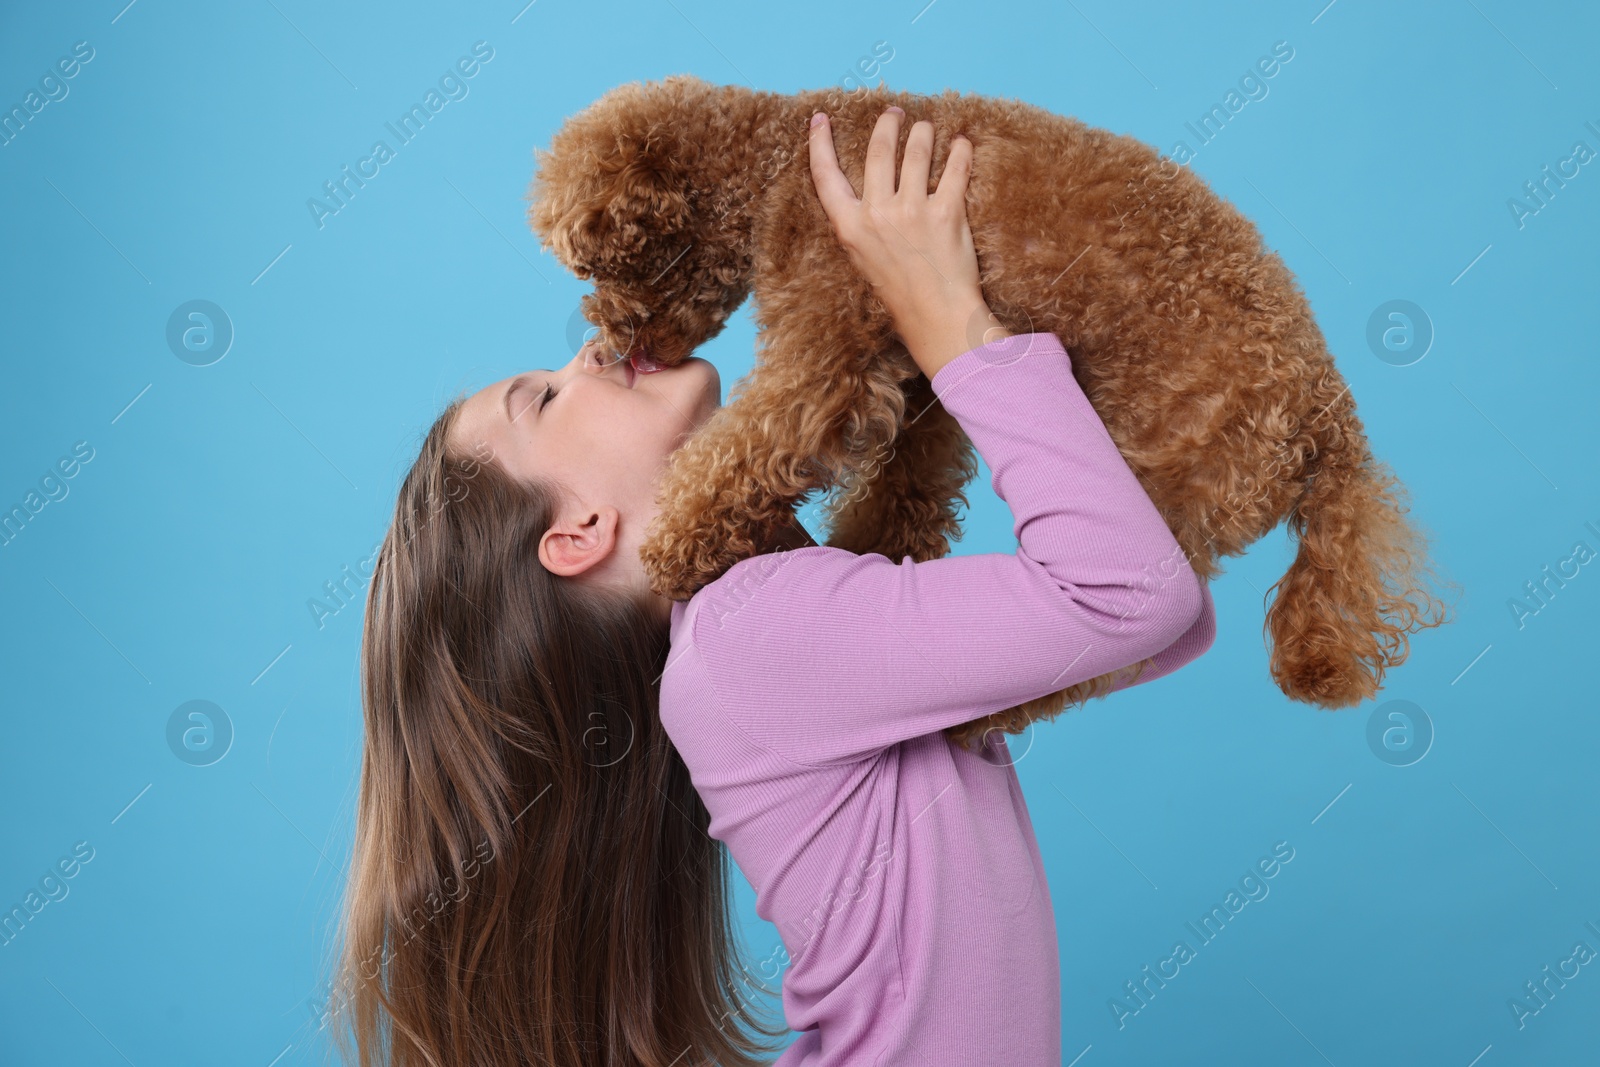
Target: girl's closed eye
(546,396)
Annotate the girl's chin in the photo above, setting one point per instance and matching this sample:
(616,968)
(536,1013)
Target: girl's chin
(707,371)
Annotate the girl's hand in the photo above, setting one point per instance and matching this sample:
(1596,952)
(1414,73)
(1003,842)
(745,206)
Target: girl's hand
(914,248)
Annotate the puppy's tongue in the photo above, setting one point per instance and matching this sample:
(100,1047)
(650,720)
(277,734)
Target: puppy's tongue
(644,364)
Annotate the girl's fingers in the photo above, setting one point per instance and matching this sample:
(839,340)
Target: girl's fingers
(919,158)
(833,188)
(957,168)
(878,181)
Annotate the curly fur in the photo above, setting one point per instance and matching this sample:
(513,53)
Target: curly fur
(1191,339)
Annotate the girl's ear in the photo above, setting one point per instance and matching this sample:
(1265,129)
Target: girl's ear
(572,545)
(605,215)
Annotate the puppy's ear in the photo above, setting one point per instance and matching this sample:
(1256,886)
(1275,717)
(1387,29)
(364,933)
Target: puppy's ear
(603,212)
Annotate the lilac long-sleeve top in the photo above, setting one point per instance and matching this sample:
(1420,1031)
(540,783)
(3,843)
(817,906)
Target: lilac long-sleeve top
(806,691)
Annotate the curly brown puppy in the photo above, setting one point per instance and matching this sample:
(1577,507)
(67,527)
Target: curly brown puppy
(1191,339)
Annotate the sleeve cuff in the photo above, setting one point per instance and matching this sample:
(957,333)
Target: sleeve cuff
(1004,352)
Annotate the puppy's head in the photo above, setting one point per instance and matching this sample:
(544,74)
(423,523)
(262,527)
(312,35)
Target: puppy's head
(616,198)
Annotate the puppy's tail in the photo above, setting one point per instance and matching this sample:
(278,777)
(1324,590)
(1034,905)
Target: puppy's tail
(1357,587)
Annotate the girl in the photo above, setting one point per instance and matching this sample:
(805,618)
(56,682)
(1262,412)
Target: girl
(555,757)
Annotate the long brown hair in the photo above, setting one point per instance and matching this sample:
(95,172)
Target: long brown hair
(532,880)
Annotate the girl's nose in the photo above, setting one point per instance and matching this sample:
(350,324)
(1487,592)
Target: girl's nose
(596,355)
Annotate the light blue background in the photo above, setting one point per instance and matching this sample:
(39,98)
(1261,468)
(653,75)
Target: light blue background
(1380,165)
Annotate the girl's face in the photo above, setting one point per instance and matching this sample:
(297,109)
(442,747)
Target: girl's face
(602,428)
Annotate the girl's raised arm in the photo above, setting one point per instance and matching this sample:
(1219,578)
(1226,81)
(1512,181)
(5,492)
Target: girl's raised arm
(822,655)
